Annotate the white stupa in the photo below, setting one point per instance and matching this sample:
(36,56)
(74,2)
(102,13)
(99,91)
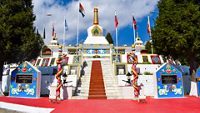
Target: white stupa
(54,41)
(138,45)
(95,32)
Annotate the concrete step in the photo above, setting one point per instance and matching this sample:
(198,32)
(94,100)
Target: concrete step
(79,97)
(97,97)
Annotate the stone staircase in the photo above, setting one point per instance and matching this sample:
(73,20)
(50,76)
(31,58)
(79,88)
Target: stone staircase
(110,81)
(82,91)
(112,90)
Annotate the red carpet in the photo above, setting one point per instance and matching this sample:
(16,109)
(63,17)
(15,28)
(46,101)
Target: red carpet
(40,102)
(97,89)
(182,105)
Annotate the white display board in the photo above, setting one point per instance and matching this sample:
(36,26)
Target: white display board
(65,92)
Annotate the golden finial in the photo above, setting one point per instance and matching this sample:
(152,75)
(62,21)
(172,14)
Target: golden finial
(96,18)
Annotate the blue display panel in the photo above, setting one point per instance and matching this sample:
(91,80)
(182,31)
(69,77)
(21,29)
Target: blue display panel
(97,51)
(198,80)
(198,73)
(169,82)
(25,81)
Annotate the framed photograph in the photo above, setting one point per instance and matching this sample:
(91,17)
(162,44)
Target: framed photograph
(73,70)
(76,59)
(145,59)
(116,58)
(52,61)
(120,69)
(65,60)
(155,59)
(37,62)
(45,61)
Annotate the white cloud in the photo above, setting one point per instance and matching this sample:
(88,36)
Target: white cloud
(124,8)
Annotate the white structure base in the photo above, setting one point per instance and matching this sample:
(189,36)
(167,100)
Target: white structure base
(193,90)
(65,92)
(5,83)
(1,92)
(127,92)
(145,80)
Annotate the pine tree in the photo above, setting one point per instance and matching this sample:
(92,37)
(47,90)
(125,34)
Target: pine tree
(148,47)
(19,41)
(109,38)
(177,31)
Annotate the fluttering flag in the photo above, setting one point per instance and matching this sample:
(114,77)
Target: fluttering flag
(148,26)
(81,9)
(53,31)
(66,26)
(44,34)
(134,23)
(116,20)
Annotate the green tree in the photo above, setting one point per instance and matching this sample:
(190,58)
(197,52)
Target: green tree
(18,42)
(177,31)
(109,38)
(148,47)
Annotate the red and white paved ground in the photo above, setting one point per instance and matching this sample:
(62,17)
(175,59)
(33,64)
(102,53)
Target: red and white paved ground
(178,105)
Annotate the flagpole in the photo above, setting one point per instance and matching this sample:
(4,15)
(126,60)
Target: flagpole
(77,29)
(117,39)
(150,34)
(133,35)
(64,33)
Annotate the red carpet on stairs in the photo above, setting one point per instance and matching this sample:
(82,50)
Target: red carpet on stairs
(97,89)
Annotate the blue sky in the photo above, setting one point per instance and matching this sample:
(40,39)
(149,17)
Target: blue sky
(68,9)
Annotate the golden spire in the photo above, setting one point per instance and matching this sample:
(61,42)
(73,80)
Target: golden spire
(96,19)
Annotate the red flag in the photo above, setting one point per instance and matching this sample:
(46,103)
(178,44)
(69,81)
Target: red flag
(134,23)
(148,26)
(116,20)
(81,9)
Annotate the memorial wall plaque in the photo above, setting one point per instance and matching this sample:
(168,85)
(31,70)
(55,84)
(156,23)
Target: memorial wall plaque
(169,79)
(38,62)
(145,59)
(52,61)
(120,69)
(24,79)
